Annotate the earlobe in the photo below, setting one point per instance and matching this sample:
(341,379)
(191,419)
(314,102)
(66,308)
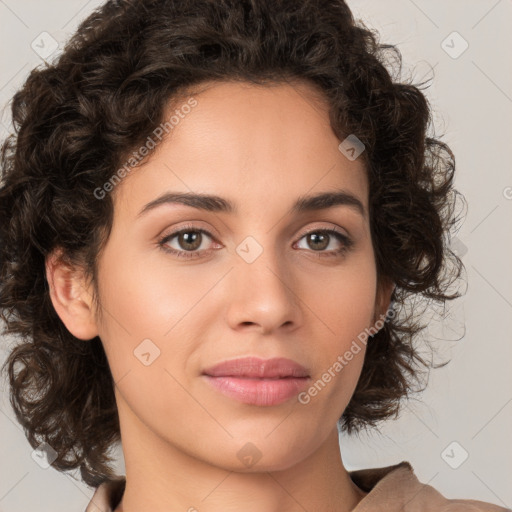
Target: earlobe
(71,297)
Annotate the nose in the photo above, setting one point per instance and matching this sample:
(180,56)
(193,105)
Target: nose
(263,294)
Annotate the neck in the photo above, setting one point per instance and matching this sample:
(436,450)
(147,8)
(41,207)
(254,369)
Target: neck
(162,477)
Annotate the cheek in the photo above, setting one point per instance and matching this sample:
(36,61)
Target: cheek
(146,299)
(152,314)
(344,307)
(345,300)
(347,309)
(144,333)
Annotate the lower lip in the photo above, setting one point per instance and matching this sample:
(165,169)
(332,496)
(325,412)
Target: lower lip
(261,392)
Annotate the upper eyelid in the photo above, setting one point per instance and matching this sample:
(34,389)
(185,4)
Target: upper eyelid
(185,228)
(208,231)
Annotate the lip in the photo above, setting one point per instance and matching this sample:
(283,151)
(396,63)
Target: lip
(255,381)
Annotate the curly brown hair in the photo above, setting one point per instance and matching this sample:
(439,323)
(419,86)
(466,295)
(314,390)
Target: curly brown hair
(76,119)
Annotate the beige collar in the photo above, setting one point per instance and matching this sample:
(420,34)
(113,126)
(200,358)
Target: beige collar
(390,489)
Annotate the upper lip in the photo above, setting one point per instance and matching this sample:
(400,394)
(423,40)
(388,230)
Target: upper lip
(253,367)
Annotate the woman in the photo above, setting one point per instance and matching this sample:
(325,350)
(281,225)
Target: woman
(207,213)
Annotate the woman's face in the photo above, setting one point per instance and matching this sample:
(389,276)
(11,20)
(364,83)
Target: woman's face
(255,283)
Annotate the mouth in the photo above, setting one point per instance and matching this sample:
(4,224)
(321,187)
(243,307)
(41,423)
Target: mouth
(256,381)
(257,391)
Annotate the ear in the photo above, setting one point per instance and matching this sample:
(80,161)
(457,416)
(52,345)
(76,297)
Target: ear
(71,297)
(385,289)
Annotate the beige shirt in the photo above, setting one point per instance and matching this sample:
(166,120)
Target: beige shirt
(390,489)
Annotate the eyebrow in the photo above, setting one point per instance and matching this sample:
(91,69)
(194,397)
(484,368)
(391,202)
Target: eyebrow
(214,203)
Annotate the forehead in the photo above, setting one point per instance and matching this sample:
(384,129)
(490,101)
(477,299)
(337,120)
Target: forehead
(254,145)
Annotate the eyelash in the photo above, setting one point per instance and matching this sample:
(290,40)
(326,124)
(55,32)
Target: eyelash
(347,243)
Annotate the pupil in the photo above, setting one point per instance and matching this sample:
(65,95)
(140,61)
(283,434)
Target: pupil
(189,238)
(315,238)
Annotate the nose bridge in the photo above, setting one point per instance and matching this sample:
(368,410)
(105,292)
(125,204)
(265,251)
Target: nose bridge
(259,261)
(264,289)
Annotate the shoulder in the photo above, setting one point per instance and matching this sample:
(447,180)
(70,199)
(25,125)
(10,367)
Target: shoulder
(457,505)
(397,488)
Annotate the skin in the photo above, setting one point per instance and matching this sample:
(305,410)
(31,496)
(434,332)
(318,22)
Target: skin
(261,147)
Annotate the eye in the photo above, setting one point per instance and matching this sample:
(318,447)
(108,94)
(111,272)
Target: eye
(189,239)
(320,239)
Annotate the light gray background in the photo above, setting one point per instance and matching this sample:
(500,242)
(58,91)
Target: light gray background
(469,401)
